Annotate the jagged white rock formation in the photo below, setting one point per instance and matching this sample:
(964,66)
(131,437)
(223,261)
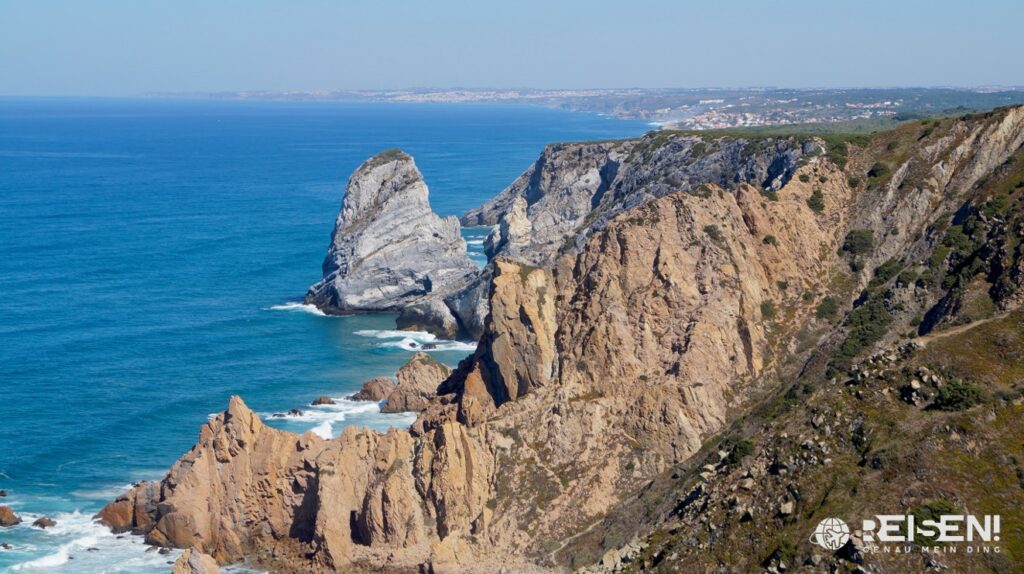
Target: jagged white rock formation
(389,250)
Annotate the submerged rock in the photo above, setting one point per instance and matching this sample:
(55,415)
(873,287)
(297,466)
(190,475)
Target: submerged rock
(389,250)
(193,561)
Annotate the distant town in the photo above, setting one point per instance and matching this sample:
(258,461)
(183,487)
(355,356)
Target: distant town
(694,109)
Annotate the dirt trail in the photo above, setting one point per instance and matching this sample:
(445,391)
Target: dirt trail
(957,330)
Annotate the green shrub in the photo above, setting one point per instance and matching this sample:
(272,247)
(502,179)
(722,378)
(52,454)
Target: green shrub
(867,325)
(958,395)
(713,232)
(885,272)
(783,285)
(740,449)
(853,182)
(827,309)
(805,178)
(907,278)
(768,310)
(892,145)
(879,170)
(859,241)
(816,202)
(932,511)
(770,240)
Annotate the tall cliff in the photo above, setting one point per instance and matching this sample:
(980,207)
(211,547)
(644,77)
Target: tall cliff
(388,249)
(601,372)
(574,189)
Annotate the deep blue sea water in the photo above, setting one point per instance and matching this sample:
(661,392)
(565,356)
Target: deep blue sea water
(148,254)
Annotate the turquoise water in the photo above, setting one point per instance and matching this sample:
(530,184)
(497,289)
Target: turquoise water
(149,251)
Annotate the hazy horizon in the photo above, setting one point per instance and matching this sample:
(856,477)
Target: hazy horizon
(124,48)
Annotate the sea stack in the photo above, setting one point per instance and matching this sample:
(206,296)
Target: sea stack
(389,250)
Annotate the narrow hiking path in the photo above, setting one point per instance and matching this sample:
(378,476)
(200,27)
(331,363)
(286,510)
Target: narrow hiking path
(924,340)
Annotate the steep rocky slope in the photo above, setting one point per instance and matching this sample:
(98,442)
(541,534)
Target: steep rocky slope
(601,372)
(573,189)
(389,250)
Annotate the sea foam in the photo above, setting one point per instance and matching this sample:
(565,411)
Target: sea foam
(298,306)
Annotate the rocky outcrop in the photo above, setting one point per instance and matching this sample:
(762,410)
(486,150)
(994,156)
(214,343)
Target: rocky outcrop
(574,189)
(193,561)
(417,384)
(430,315)
(389,250)
(322,400)
(376,389)
(512,234)
(132,511)
(8,517)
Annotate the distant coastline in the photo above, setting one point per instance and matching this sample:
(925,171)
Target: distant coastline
(696,108)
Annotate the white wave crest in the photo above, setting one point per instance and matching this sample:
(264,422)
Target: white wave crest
(298,306)
(413,345)
(77,543)
(416,341)
(419,336)
(324,430)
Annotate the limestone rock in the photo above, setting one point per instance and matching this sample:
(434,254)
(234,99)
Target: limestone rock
(431,315)
(193,561)
(376,389)
(512,234)
(8,517)
(388,249)
(574,189)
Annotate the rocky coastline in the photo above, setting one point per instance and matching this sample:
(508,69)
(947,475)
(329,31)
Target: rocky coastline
(643,301)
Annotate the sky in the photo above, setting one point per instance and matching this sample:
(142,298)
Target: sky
(134,47)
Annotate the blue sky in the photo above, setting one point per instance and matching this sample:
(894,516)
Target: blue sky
(127,47)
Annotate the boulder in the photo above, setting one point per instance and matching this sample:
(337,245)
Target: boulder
(193,561)
(8,517)
(417,384)
(376,389)
(323,400)
(430,315)
(44,522)
(132,511)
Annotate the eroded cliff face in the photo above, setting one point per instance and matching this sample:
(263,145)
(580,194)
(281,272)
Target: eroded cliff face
(587,380)
(389,250)
(574,189)
(604,367)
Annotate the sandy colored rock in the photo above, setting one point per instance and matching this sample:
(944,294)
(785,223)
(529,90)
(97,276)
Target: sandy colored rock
(8,517)
(193,561)
(417,384)
(375,389)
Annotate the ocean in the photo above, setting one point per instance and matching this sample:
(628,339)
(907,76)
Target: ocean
(152,256)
